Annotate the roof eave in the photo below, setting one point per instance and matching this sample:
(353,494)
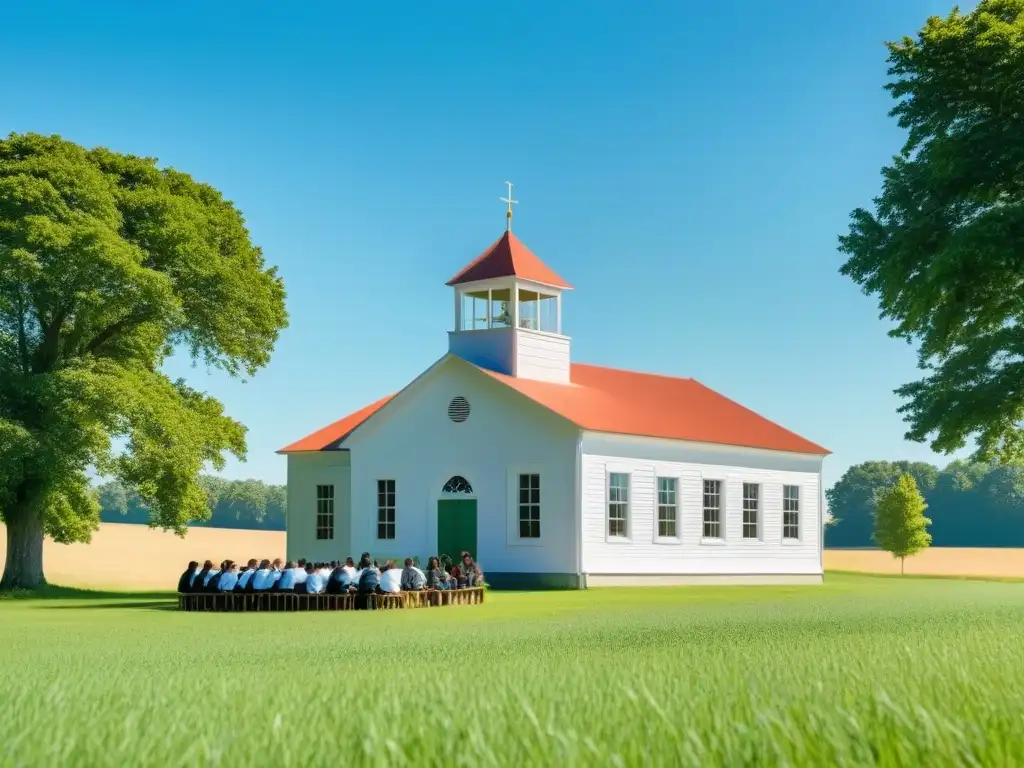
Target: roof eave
(820,452)
(460,281)
(326,449)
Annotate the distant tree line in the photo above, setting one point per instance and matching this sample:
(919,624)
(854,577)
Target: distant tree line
(970,504)
(239,504)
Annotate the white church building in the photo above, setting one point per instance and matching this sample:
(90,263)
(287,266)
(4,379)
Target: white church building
(554,473)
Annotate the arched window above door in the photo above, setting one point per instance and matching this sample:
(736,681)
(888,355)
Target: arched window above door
(458,484)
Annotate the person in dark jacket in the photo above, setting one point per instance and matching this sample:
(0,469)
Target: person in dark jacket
(339,582)
(369,579)
(369,582)
(186,578)
(200,578)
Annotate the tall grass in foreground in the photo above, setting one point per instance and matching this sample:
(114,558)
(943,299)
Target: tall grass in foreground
(861,671)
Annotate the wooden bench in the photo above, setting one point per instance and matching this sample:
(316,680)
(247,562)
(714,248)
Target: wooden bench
(290,601)
(419,599)
(387,601)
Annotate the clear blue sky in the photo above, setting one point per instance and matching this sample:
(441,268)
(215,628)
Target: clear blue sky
(687,166)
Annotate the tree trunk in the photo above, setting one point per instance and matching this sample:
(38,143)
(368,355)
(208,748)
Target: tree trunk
(24,566)
(902,561)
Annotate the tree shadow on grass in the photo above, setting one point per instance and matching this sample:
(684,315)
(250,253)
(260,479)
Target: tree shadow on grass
(55,592)
(146,605)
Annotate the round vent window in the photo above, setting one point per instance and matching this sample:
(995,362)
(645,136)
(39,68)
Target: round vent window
(458,409)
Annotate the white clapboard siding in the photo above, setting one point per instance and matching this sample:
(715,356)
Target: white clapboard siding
(542,356)
(305,472)
(643,553)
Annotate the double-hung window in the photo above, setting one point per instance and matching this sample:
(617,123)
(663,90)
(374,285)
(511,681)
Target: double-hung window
(385,509)
(751,510)
(529,506)
(618,505)
(325,512)
(713,510)
(791,512)
(667,509)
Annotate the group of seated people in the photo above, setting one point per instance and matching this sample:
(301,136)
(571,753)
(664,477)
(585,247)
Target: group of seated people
(336,578)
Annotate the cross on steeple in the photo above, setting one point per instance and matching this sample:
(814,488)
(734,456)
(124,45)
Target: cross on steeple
(510,202)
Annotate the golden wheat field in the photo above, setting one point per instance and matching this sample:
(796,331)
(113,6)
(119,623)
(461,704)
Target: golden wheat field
(136,556)
(143,558)
(937,561)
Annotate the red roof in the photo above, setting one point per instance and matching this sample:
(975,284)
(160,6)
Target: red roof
(508,257)
(332,433)
(630,403)
(624,402)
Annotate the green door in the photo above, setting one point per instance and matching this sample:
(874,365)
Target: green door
(456,527)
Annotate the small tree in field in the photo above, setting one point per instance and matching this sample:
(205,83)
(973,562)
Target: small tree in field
(900,524)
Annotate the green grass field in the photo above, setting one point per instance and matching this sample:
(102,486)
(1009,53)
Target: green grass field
(861,671)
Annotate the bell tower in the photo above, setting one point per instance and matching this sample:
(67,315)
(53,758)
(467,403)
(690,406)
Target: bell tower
(508,311)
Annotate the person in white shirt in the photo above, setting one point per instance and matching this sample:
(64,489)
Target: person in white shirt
(211,574)
(323,571)
(287,581)
(314,583)
(301,576)
(229,578)
(390,578)
(351,570)
(276,569)
(263,579)
(243,578)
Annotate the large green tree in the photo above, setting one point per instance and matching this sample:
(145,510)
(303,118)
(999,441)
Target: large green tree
(108,264)
(943,249)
